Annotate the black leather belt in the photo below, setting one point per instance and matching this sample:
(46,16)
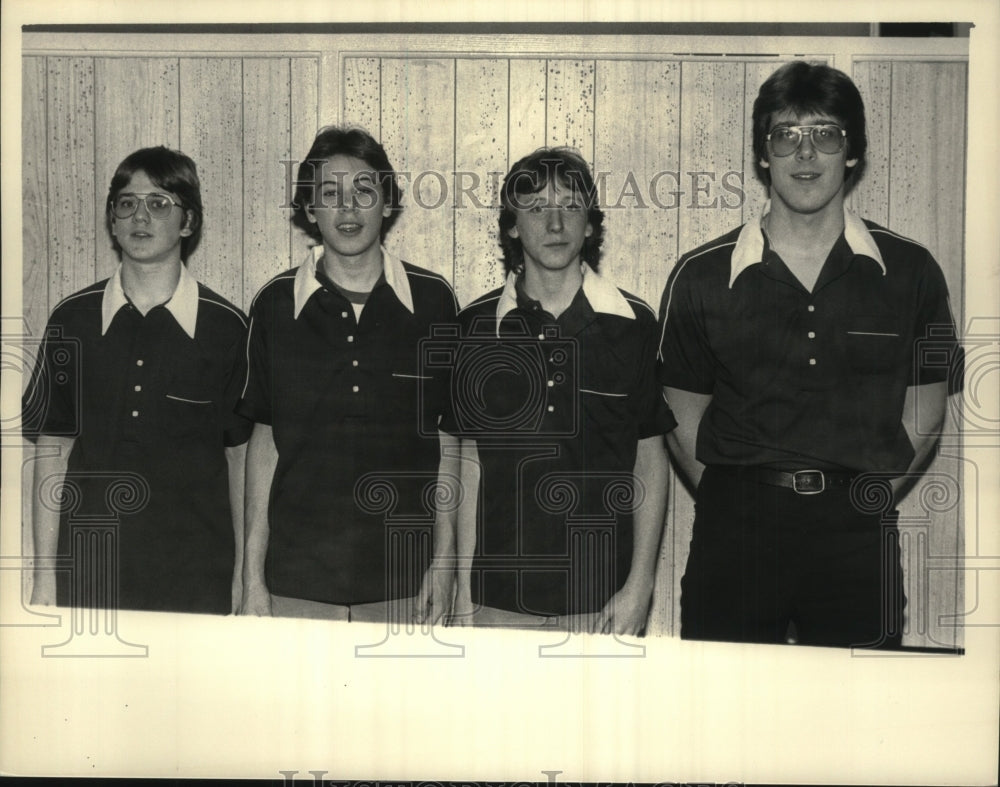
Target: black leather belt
(804,482)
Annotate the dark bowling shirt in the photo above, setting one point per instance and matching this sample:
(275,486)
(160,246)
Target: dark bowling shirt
(355,416)
(557,407)
(802,379)
(150,402)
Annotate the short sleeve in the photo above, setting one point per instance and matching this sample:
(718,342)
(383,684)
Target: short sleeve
(50,405)
(254,396)
(436,375)
(937,355)
(686,360)
(236,427)
(653,414)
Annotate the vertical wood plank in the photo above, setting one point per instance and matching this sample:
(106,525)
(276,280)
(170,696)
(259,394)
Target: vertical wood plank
(418,129)
(636,153)
(928,105)
(70,175)
(712,144)
(211,132)
(870,197)
(570,105)
(266,144)
(926,197)
(480,164)
(305,123)
(136,106)
(362,94)
(526,108)
(34,201)
(34,262)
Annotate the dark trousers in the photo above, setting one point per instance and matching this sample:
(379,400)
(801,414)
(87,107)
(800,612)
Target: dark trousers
(763,557)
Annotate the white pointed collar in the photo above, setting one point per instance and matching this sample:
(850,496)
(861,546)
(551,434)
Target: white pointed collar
(603,296)
(183,304)
(749,248)
(306,282)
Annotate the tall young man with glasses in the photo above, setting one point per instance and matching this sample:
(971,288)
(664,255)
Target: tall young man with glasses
(133,400)
(788,355)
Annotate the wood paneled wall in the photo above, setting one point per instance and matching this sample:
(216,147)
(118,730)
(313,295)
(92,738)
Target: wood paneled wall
(239,118)
(667,134)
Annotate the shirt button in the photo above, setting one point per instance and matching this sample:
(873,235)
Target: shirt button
(541,336)
(551,383)
(344,315)
(812,361)
(355,388)
(350,338)
(354,363)
(811,308)
(139,362)
(135,413)
(137,388)
(551,408)
(811,334)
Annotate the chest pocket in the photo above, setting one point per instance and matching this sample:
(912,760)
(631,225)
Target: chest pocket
(605,384)
(610,409)
(873,344)
(411,396)
(190,400)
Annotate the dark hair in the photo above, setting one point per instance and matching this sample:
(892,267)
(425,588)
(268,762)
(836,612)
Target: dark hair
(350,141)
(171,171)
(532,174)
(817,89)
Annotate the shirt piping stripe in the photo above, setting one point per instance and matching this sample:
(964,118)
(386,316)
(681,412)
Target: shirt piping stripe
(225,306)
(280,277)
(481,301)
(436,277)
(76,295)
(670,293)
(246,384)
(640,302)
(603,393)
(897,236)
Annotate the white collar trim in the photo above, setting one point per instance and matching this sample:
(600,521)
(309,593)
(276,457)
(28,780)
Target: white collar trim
(603,296)
(749,248)
(306,282)
(183,304)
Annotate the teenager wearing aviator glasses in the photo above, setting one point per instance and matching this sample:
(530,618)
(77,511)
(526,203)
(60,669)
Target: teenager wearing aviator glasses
(788,357)
(138,379)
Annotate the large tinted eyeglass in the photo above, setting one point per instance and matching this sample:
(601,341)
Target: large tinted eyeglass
(825,137)
(157,205)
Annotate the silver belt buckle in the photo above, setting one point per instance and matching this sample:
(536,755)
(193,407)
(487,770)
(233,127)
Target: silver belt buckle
(803,482)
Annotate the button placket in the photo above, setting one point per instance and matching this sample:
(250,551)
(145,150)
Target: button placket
(811,335)
(135,400)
